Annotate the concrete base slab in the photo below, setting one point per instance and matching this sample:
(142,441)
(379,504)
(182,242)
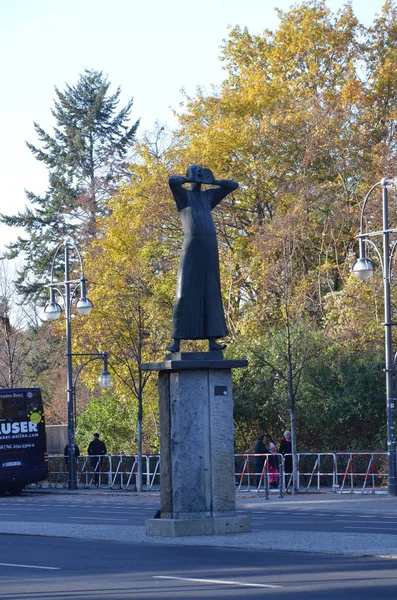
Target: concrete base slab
(192,527)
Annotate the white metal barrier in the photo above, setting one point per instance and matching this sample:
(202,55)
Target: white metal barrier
(58,470)
(361,471)
(112,471)
(341,472)
(249,477)
(316,470)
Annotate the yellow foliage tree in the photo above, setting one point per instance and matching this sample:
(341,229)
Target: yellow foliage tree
(305,122)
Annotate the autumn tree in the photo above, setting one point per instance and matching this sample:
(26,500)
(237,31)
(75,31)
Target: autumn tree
(380,111)
(15,342)
(283,124)
(304,122)
(129,265)
(86,157)
(293,123)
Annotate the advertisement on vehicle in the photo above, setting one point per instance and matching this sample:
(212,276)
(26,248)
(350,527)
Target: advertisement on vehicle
(23,450)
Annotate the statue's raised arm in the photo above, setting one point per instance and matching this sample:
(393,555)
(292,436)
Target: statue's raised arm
(198,312)
(226,186)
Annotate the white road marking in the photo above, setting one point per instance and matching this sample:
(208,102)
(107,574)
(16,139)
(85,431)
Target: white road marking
(106,510)
(29,566)
(341,520)
(365,523)
(384,520)
(101,512)
(373,517)
(82,507)
(366,527)
(95,518)
(219,581)
(28,508)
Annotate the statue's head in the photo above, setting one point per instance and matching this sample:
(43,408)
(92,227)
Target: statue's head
(193,172)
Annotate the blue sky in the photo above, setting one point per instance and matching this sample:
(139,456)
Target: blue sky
(151,48)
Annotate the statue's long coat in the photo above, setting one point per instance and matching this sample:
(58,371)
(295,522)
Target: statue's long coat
(198,311)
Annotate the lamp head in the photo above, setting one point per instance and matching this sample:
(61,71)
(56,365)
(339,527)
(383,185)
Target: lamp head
(363,268)
(84,306)
(52,310)
(105,380)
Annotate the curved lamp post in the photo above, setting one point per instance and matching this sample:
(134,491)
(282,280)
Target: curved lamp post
(363,269)
(53,310)
(105,379)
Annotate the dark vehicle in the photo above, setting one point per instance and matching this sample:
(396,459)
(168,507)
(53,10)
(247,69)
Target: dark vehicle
(23,447)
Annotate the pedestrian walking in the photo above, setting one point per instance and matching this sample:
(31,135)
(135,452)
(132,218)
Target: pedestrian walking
(286,450)
(96,449)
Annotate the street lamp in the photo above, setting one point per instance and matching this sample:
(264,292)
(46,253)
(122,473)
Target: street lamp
(363,269)
(105,379)
(53,311)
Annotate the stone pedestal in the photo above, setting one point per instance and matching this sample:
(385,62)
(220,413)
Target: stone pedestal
(197,486)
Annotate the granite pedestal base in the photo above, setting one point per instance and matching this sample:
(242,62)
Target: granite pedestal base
(197,482)
(205,526)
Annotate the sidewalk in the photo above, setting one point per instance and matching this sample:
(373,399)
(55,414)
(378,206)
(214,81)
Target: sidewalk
(361,544)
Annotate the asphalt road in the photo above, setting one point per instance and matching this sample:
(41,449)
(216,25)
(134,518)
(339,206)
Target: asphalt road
(40,568)
(85,546)
(62,509)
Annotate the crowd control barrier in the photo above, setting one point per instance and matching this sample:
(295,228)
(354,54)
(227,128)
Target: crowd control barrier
(338,472)
(361,471)
(316,471)
(112,471)
(266,478)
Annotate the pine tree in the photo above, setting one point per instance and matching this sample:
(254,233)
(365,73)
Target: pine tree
(86,162)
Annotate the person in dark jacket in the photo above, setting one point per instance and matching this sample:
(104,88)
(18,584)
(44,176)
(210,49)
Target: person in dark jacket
(96,449)
(286,450)
(259,461)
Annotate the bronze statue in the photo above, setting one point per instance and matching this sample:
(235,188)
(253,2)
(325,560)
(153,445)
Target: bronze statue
(198,311)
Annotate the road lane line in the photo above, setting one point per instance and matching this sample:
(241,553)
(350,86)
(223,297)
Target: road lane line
(219,581)
(375,517)
(370,527)
(29,566)
(100,512)
(106,511)
(27,508)
(366,524)
(96,519)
